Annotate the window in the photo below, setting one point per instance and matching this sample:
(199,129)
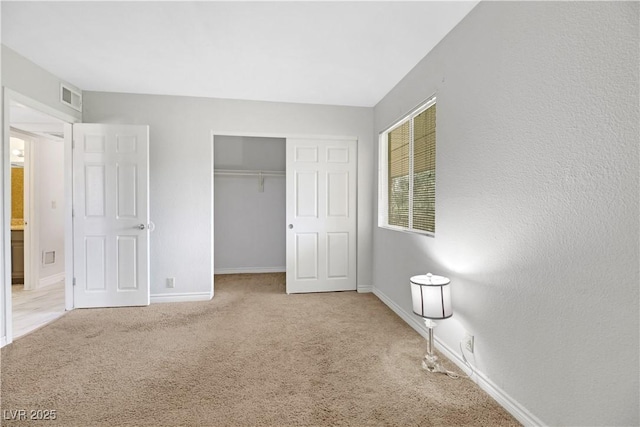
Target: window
(407,199)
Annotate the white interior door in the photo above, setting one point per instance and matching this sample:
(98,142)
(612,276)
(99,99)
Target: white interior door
(321,215)
(111,215)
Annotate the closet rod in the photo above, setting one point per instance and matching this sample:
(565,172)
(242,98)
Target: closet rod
(247,172)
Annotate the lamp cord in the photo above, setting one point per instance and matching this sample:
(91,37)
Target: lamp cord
(466,362)
(439,369)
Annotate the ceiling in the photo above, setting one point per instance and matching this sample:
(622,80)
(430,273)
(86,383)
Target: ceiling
(338,53)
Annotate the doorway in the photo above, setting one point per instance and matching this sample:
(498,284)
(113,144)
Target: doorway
(35,293)
(249,204)
(125,276)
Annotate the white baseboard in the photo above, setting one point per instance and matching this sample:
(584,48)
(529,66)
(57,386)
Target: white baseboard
(507,402)
(184,297)
(3,341)
(364,289)
(250,270)
(51,280)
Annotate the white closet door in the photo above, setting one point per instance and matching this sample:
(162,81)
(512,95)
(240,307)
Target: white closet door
(321,215)
(111,215)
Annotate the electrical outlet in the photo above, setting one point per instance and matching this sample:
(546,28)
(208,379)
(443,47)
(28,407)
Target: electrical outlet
(171,282)
(468,342)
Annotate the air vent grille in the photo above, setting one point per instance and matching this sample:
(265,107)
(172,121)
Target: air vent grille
(48,257)
(70,97)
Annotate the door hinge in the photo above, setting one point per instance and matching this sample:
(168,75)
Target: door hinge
(73,212)
(74,281)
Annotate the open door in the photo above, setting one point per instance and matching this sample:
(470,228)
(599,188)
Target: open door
(321,215)
(110,215)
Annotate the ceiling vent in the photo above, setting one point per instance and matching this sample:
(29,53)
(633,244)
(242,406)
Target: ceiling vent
(70,97)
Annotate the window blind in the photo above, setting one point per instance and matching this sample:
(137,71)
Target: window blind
(399,144)
(411,172)
(424,170)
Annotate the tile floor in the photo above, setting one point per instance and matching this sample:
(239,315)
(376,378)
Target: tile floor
(32,309)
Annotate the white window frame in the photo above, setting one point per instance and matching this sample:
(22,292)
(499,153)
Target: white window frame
(383,171)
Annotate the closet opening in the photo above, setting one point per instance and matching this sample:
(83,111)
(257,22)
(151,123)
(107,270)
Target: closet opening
(249,210)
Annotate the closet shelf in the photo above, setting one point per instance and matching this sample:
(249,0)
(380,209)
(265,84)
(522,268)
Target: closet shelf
(247,172)
(260,174)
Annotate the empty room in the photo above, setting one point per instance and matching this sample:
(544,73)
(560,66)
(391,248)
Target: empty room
(320,213)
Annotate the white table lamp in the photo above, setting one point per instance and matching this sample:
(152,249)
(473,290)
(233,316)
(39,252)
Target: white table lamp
(431,298)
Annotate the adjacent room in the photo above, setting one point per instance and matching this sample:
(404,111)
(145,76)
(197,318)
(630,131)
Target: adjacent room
(37,218)
(320,213)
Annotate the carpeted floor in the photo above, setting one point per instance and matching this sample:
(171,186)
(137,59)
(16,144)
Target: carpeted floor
(251,356)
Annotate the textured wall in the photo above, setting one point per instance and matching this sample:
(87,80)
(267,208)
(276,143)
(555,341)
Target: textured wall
(537,202)
(249,225)
(49,165)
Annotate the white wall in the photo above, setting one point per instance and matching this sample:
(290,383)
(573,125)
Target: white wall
(249,153)
(537,203)
(181,170)
(49,168)
(29,79)
(249,224)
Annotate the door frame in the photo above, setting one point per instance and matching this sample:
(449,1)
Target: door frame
(9,96)
(286,137)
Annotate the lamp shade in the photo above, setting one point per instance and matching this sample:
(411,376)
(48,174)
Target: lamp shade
(431,296)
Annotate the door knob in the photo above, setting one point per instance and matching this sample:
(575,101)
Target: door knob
(290,226)
(140,226)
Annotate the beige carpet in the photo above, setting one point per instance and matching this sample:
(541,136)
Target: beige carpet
(251,356)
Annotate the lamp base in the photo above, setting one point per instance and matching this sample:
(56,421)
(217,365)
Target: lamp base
(430,363)
(430,360)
